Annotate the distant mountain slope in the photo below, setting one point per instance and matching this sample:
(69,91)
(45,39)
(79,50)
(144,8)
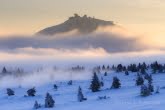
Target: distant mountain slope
(82,24)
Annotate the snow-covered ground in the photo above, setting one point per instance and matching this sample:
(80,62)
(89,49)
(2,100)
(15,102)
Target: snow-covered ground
(126,98)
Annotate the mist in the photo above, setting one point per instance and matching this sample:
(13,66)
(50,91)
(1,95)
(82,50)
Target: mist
(108,46)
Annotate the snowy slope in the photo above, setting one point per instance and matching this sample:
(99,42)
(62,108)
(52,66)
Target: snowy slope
(126,98)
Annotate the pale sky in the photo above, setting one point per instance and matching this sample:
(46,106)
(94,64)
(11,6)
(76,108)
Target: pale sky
(28,16)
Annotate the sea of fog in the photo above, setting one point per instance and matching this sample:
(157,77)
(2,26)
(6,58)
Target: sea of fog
(107,46)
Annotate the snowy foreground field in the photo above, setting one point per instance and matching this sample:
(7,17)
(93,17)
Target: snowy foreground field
(125,98)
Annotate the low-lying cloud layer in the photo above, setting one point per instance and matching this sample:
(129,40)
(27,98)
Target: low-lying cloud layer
(109,40)
(105,45)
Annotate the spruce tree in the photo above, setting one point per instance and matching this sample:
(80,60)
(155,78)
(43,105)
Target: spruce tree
(150,86)
(144,65)
(160,68)
(80,95)
(95,83)
(116,83)
(55,86)
(124,68)
(70,82)
(101,82)
(103,67)
(145,91)
(108,67)
(146,76)
(142,70)
(49,102)
(150,79)
(155,67)
(36,105)
(31,92)
(126,73)
(154,70)
(4,70)
(157,89)
(105,74)
(139,80)
(10,92)
(113,67)
(119,68)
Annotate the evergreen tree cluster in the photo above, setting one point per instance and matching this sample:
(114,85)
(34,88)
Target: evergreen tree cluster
(141,67)
(16,72)
(78,68)
(156,67)
(147,90)
(49,102)
(98,69)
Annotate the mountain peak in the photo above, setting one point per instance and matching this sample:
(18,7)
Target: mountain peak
(83,24)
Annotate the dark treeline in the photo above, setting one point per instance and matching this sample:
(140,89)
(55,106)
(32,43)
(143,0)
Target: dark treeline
(140,67)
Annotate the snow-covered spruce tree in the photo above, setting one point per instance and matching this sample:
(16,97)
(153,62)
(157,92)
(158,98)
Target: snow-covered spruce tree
(145,91)
(108,68)
(10,92)
(160,68)
(55,86)
(70,82)
(144,65)
(142,70)
(31,92)
(80,95)
(150,86)
(101,82)
(49,102)
(154,70)
(132,68)
(146,76)
(149,78)
(139,80)
(119,68)
(95,83)
(103,67)
(124,68)
(157,90)
(113,67)
(126,73)
(116,83)
(36,105)
(155,67)
(105,74)
(4,70)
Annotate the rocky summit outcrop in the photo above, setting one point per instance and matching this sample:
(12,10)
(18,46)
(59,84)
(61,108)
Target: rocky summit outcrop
(83,24)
